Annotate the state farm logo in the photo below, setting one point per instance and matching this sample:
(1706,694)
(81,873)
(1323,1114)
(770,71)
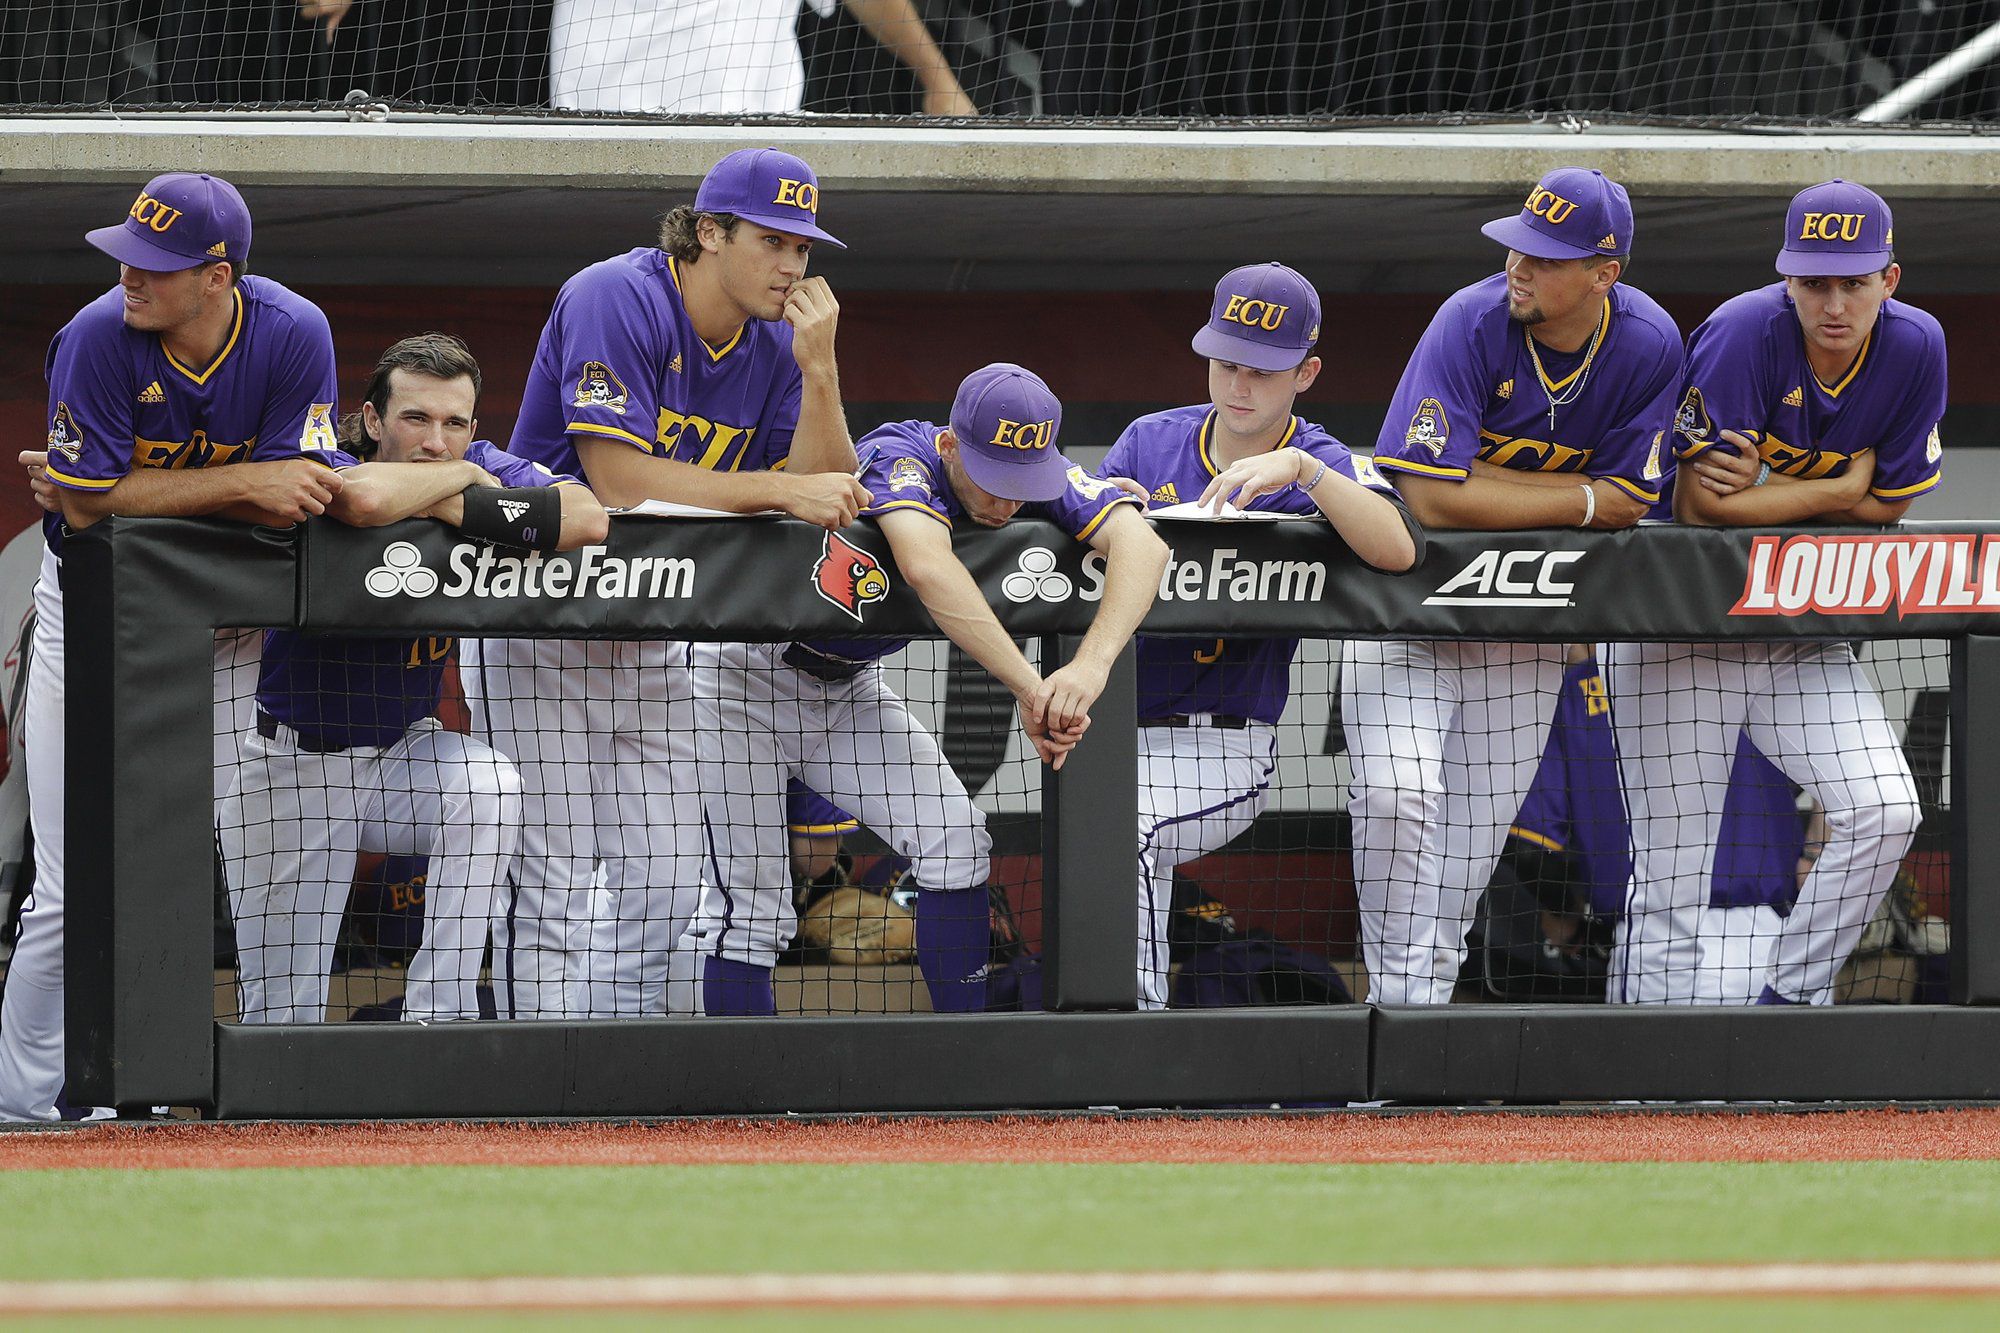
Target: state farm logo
(1037,577)
(401,571)
(1511,578)
(1912,575)
(475,569)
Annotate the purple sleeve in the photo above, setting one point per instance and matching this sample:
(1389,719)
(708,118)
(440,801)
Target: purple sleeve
(298,419)
(512,470)
(1432,429)
(90,406)
(1119,460)
(811,814)
(1909,462)
(781,417)
(606,358)
(1634,453)
(901,472)
(1726,388)
(1083,504)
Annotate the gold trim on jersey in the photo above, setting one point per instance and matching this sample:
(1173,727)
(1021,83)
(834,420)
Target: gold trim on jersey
(1847,378)
(1208,423)
(825,830)
(1539,839)
(1124,497)
(592,428)
(1502,450)
(62,478)
(235,331)
(1633,489)
(1423,469)
(714,353)
(1902,492)
(909,504)
(1596,341)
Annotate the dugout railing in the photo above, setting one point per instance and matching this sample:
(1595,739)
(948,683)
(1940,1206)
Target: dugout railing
(145,596)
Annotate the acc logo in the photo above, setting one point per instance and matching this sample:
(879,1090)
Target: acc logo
(153,213)
(1933,447)
(1429,428)
(1691,420)
(1023,434)
(1543,204)
(798,194)
(63,436)
(1652,472)
(848,576)
(600,388)
(1510,578)
(1037,577)
(401,571)
(1254,313)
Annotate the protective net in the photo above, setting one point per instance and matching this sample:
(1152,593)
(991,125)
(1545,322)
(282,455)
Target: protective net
(1692,60)
(581,830)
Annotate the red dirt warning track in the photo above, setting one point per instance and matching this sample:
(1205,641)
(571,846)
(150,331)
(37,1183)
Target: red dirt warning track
(1442,1136)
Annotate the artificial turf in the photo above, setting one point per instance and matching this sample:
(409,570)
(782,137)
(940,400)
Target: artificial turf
(490,1221)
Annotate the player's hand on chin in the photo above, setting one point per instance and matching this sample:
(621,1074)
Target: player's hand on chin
(813,314)
(829,500)
(1727,471)
(1248,478)
(37,463)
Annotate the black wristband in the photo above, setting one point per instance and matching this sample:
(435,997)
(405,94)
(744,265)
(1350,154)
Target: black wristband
(526,516)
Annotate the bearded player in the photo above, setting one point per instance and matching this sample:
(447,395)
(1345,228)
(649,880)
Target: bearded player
(1209,708)
(1814,399)
(701,371)
(822,713)
(186,366)
(1539,397)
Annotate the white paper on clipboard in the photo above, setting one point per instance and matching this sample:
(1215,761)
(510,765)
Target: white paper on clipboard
(675,509)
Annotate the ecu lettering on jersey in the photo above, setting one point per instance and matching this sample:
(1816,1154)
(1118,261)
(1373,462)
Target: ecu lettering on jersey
(1530,455)
(712,445)
(599,387)
(200,451)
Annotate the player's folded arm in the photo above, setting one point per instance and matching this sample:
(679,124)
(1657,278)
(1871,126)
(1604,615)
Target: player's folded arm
(623,475)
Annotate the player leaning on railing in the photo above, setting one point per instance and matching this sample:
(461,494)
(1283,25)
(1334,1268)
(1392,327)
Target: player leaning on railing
(1813,399)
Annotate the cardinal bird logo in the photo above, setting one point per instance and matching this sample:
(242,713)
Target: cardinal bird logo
(848,576)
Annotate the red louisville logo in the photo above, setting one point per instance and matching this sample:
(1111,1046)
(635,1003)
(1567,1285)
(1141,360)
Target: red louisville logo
(848,576)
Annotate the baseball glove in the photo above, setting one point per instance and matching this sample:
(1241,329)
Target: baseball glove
(858,927)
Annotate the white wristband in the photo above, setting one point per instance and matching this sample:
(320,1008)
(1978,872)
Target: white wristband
(1589,505)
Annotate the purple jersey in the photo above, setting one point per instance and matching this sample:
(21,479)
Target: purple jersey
(812,815)
(346,691)
(1168,454)
(901,468)
(1747,371)
(119,400)
(620,360)
(1479,386)
(1576,806)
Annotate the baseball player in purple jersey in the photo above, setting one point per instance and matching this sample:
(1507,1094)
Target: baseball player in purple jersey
(346,754)
(700,371)
(1813,399)
(1575,807)
(822,713)
(1539,397)
(1208,708)
(187,365)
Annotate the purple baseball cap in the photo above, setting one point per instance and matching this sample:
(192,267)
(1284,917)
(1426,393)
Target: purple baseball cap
(1005,420)
(769,187)
(179,220)
(1572,213)
(1265,316)
(1837,229)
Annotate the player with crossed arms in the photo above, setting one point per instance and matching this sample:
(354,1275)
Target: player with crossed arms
(1814,399)
(1209,708)
(186,366)
(700,371)
(1539,397)
(822,713)
(347,754)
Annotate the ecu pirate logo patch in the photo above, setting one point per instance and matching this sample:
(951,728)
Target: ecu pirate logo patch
(64,439)
(848,576)
(1691,421)
(598,387)
(909,475)
(1429,427)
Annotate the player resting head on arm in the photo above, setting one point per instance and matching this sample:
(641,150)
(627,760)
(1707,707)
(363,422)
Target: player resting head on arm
(415,430)
(1815,399)
(713,355)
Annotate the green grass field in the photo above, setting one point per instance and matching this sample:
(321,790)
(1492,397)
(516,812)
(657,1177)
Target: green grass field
(480,1221)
